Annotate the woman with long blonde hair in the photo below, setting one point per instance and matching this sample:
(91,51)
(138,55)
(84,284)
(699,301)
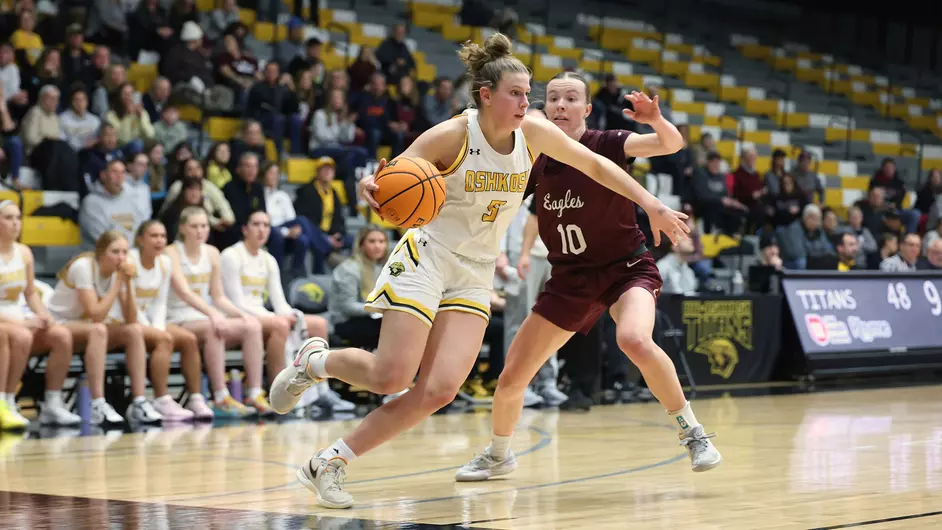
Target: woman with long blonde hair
(351,284)
(94,298)
(197,265)
(36,334)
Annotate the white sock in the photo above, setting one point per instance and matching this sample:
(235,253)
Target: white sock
(684,418)
(338,450)
(138,400)
(219,396)
(53,398)
(254,393)
(98,401)
(500,447)
(317,366)
(3,397)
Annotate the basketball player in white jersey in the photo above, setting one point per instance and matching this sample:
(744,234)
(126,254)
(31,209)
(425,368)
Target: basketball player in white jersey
(197,264)
(94,299)
(37,334)
(435,290)
(250,275)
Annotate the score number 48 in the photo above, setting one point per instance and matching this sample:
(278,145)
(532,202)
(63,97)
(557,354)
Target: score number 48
(897,296)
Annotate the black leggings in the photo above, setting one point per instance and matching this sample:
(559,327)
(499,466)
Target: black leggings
(360,332)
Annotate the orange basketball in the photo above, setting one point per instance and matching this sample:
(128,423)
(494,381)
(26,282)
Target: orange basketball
(411,192)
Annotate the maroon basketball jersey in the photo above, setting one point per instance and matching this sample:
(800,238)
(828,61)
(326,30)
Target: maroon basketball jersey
(582,222)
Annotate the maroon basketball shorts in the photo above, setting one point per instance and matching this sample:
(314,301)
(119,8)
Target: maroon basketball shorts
(575,297)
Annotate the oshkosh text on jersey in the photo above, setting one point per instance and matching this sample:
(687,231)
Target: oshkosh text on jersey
(561,205)
(479,181)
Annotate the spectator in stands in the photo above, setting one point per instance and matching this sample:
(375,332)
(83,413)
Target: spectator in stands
(221,216)
(46,72)
(678,277)
(245,195)
(137,173)
(332,134)
(893,222)
(807,179)
(16,97)
(830,222)
(703,148)
(804,239)
(889,246)
(609,103)
(181,12)
(929,198)
(712,200)
(748,188)
(873,209)
(95,299)
(310,97)
(680,166)
(848,250)
(894,192)
(96,70)
(311,60)
(273,103)
(178,157)
(221,19)
(905,259)
(170,131)
(318,202)
(440,106)
(933,258)
(190,75)
(933,233)
(37,333)
(191,195)
(79,127)
(251,277)
(286,226)
(150,28)
(41,123)
(26,39)
(157,98)
(217,165)
(251,141)
(112,204)
(362,69)
(773,177)
(108,24)
(12,151)
(351,284)
(107,91)
(75,60)
(156,170)
(286,50)
(131,122)
(236,68)
(867,244)
(102,153)
(406,118)
(770,253)
(198,264)
(373,117)
(394,56)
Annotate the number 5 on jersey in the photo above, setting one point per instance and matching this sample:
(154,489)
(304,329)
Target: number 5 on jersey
(492,210)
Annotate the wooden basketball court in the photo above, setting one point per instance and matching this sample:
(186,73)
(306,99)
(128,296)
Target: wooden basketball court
(821,460)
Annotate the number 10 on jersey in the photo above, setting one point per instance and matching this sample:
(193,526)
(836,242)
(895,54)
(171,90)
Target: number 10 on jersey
(572,238)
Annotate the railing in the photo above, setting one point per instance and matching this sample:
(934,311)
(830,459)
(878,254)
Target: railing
(786,94)
(848,125)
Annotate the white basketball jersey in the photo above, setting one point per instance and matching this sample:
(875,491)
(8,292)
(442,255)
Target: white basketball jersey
(148,282)
(12,284)
(483,190)
(198,276)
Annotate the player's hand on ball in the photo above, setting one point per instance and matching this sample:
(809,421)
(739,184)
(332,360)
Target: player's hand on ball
(670,222)
(523,266)
(367,186)
(646,110)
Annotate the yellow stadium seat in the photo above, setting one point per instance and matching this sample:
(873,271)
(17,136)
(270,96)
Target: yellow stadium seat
(423,7)
(712,60)
(833,197)
(692,107)
(32,201)
(758,137)
(334,61)
(205,5)
(727,149)
(714,244)
(674,68)
(756,51)
(679,47)
(793,120)
(384,151)
(6,195)
(456,32)
(855,183)
(643,55)
(299,170)
(270,152)
(784,64)
(695,80)
(222,129)
(590,65)
(930,163)
(734,94)
(142,76)
(895,149)
(762,107)
(726,123)
(811,75)
(190,113)
(268,32)
(923,123)
(565,53)
(247,16)
(340,191)
(426,72)
(50,232)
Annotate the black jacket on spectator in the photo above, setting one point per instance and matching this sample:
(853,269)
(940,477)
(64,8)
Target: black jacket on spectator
(143,26)
(610,106)
(153,108)
(95,159)
(308,204)
(709,189)
(77,69)
(895,189)
(872,219)
(244,200)
(182,64)
(782,202)
(265,98)
(237,148)
(389,53)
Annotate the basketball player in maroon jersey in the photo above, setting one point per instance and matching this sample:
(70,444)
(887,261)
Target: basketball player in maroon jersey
(599,262)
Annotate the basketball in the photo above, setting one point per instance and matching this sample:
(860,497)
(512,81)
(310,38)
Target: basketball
(411,192)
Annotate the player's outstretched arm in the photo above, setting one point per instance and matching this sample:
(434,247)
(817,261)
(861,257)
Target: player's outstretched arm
(665,140)
(546,138)
(441,145)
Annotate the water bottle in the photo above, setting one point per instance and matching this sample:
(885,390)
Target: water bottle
(235,385)
(83,400)
(738,288)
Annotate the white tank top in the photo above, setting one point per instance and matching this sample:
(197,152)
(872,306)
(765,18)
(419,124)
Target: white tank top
(12,284)
(253,277)
(148,284)
(82,274)
(198,276)
(483,189)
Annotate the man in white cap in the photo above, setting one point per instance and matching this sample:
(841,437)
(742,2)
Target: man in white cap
(189,72)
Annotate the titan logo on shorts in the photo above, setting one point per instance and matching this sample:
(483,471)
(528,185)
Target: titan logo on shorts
(396,268)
